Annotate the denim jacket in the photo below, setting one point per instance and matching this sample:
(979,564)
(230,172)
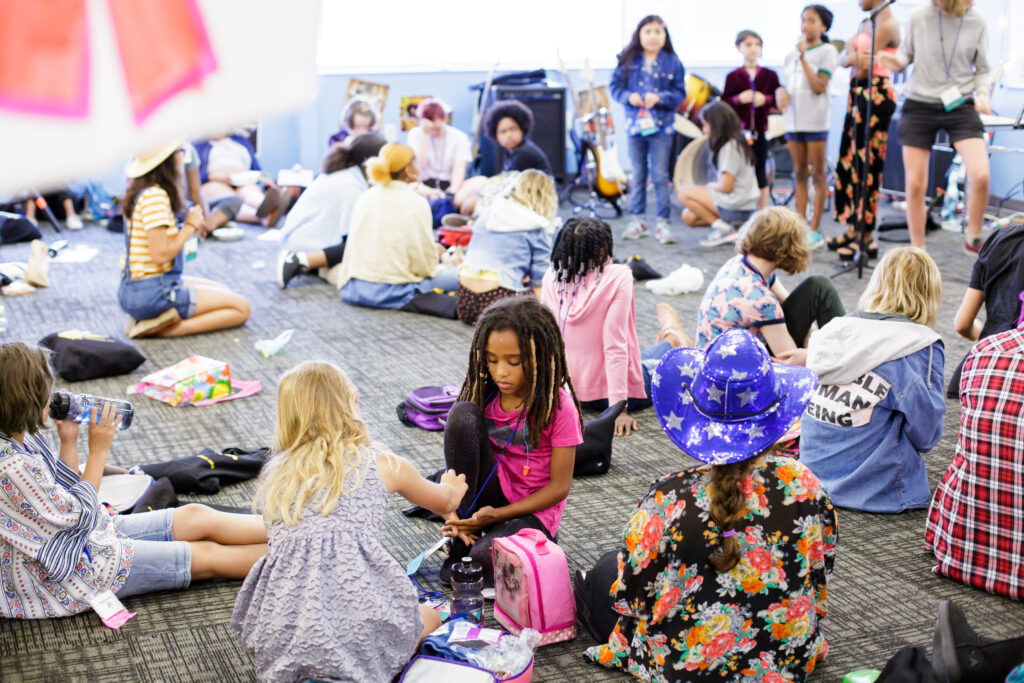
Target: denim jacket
(879,404)
(512,241)
(666,79)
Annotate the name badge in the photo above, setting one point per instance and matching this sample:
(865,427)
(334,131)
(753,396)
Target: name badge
(645,122)
(191,248)
(109,609)
(951,98)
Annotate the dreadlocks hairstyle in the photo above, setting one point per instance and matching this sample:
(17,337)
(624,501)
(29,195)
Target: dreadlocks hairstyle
(582,245)
(544,365)
(728,506)
(634,49)
(725,126)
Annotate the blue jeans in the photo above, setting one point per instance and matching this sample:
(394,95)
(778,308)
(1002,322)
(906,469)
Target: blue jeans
(160,562)
(649,359)
(657,147)
(382,295)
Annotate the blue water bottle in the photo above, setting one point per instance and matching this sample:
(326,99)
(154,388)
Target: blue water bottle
(468,585)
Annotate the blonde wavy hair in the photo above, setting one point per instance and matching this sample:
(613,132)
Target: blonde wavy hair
(957,8)
(321,447)
(778,235)
(905,282)
(536,191)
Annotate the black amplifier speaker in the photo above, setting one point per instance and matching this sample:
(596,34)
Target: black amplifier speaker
(548,106)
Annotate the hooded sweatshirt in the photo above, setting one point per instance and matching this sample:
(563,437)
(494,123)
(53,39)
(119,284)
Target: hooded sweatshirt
(878,406)
(598,324)
(510,242)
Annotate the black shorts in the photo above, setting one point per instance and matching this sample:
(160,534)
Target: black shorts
(920,121)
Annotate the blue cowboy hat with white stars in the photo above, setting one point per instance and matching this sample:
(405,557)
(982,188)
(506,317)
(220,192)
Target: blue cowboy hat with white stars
(729,402)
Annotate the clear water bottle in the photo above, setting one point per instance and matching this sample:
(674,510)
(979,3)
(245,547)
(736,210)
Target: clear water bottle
(468,585)
(78,407)
(952,198)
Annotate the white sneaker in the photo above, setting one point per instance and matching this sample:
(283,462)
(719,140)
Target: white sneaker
(663,233)
(720,234)
(635,230)
(74,222)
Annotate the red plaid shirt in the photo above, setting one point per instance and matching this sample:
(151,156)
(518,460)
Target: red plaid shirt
(976,520)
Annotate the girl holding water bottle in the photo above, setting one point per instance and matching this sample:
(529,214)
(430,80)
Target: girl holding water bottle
(63,543)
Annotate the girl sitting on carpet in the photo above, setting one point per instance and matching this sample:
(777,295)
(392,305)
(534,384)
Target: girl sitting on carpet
(391,258)
(314,232)
(592,300)
(510,247)
(880,402)
(513,432)
(722,567)
(153,292)
(733,197)
(61,547)
(746,294)
(323,496)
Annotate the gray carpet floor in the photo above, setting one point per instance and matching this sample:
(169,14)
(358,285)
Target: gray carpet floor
(882,594)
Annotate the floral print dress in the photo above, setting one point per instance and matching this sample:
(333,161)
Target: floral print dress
(683,621)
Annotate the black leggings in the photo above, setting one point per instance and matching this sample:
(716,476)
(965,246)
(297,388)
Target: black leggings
(596,595)
(813,300)
(467,450)
(334,253)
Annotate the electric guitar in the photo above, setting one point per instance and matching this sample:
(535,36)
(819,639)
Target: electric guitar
(611,179)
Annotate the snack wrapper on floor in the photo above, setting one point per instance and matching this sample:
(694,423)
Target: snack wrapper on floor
(195,379)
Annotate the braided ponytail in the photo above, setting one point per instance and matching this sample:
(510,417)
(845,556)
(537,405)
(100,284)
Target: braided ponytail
(728,505)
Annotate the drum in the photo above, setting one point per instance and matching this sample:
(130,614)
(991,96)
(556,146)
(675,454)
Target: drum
(693,167)
(699,93)
(776,127)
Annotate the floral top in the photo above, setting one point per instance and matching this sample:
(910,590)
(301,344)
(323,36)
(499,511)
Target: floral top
(683,621)
(739,296)
(58,544)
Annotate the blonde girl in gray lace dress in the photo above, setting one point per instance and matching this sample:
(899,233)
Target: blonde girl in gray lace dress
(328,601)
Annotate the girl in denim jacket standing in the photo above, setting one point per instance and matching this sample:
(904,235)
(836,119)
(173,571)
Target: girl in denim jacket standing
(648,82)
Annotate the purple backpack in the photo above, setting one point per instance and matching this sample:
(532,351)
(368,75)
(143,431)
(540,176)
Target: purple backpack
(427,407)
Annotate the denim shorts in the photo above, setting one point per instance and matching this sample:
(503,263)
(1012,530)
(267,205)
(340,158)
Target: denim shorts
(804,136)
(149,297)
(734,216)
(160,563)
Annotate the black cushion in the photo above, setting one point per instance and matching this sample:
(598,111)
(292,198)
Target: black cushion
(80,355)
(14,230)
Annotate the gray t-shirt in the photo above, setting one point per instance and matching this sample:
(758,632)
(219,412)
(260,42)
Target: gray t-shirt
(744,193)
(808,111)
(926,46)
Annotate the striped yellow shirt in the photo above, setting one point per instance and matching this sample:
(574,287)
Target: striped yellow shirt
(152,210)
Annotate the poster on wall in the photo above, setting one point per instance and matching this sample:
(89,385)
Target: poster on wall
(407,114)
(374,93)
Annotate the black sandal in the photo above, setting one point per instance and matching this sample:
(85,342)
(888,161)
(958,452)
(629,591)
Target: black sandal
(834,243)
(853,247)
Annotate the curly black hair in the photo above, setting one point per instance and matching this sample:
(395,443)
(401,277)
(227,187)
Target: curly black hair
(508,109)
(543,352)
(582,245)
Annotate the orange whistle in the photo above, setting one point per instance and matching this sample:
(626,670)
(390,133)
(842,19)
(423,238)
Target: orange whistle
(526,470)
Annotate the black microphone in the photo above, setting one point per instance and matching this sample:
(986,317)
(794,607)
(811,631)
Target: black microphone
(877,10)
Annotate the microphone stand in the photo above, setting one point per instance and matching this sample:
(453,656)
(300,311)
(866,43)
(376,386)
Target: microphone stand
(860,259)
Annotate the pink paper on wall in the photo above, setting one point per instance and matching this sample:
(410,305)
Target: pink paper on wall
(164,49)
(44,57)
